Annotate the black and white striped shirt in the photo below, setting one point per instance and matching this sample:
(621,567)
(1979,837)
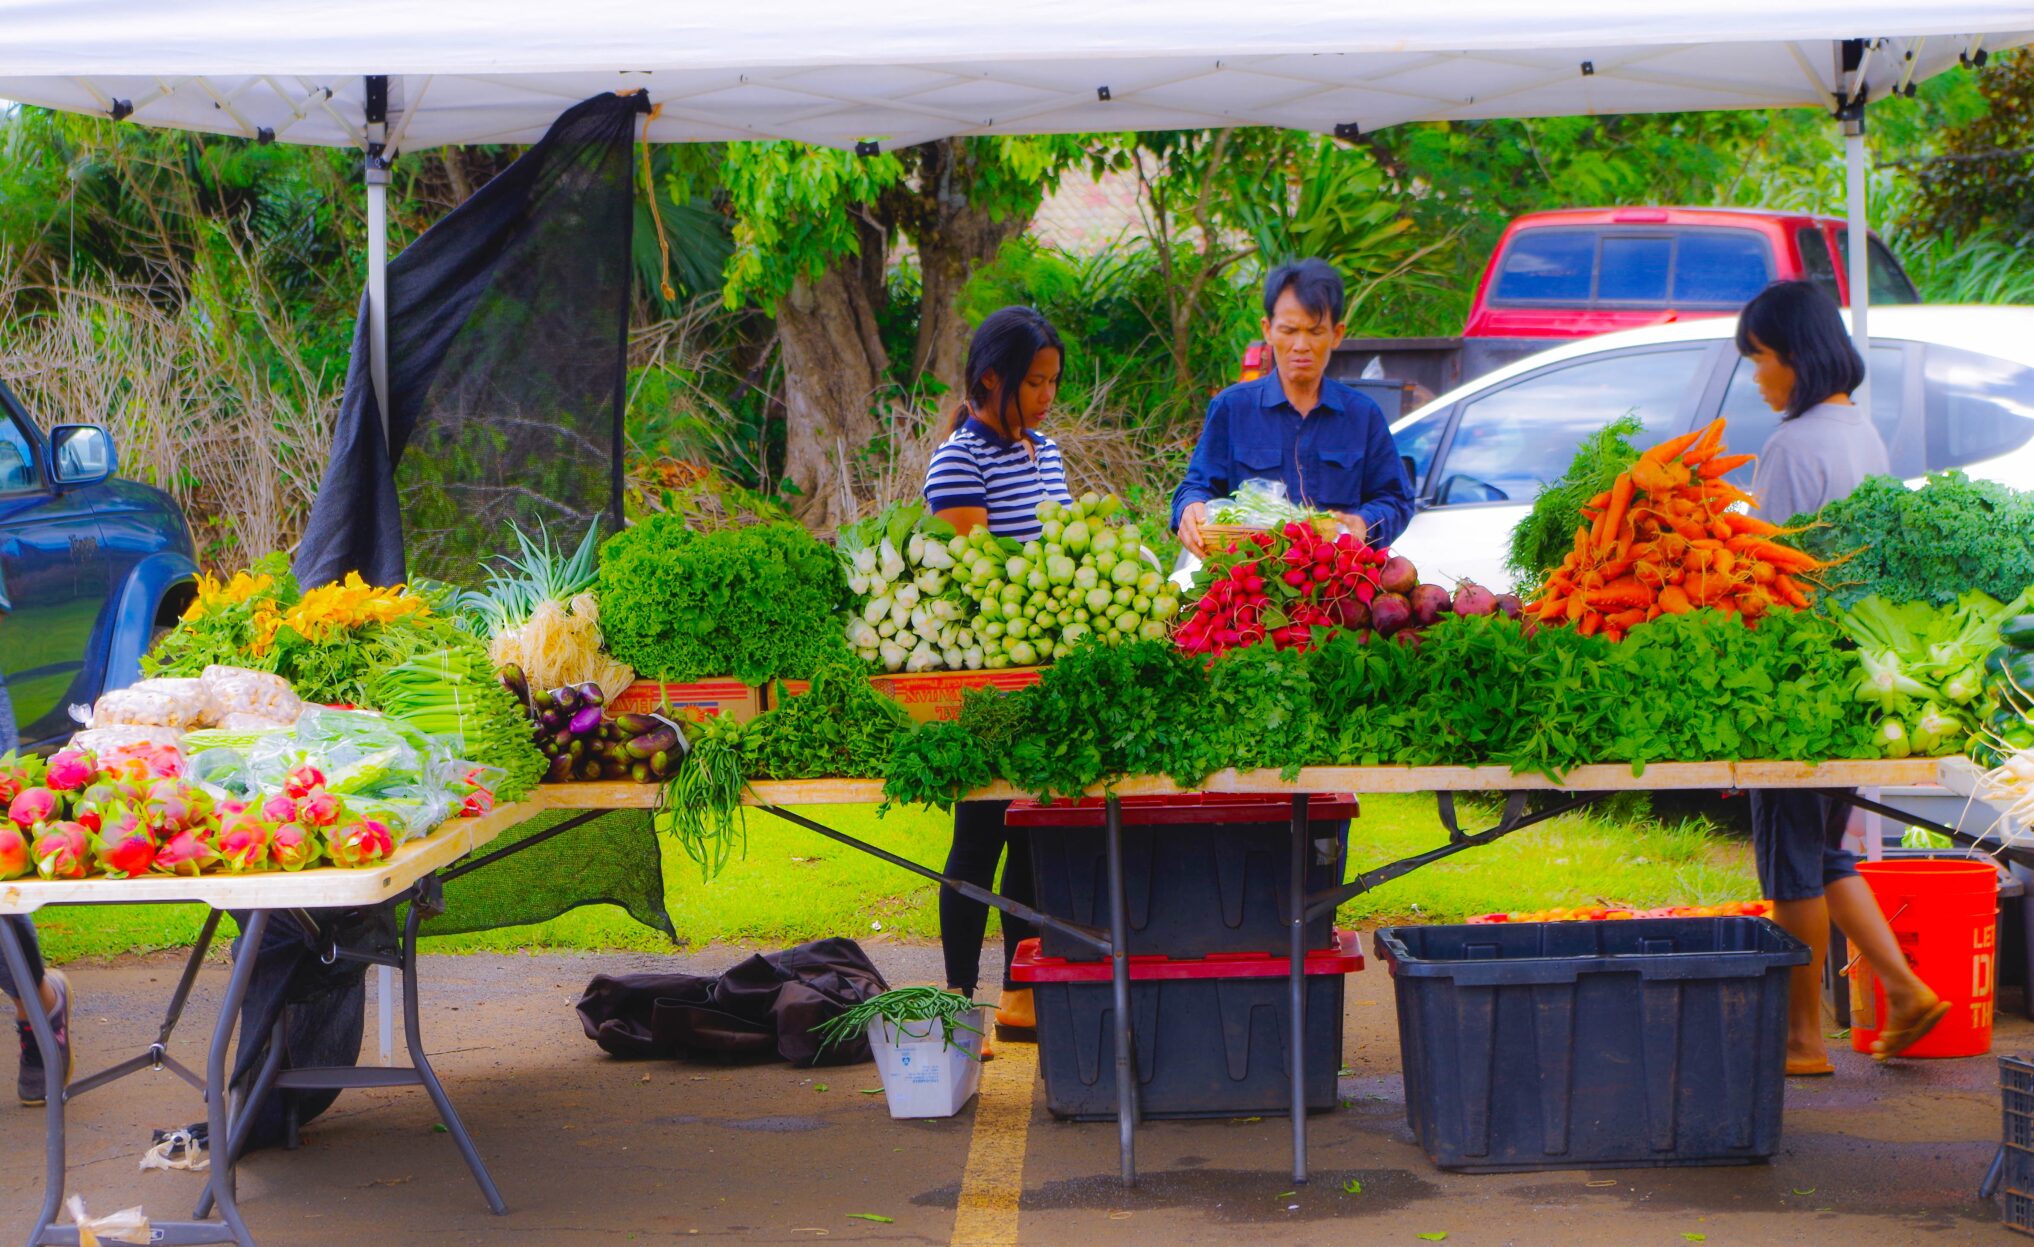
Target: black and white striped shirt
(976,467)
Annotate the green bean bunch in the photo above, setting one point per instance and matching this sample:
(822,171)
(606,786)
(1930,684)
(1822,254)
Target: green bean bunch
(900,1005)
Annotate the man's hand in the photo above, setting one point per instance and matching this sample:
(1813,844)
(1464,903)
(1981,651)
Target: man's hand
(1356,524)
(1190,521)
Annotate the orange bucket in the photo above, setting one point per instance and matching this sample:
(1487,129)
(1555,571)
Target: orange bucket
(1945,914)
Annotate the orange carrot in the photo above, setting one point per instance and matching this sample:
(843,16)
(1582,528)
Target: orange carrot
(1722,465)
(1786,558)
(1741,523)
(1589,624)
(1649,476)
(1790,592)
(1620,595)
(1671,447)
(1674,600)
(1620,503)
(1625,620)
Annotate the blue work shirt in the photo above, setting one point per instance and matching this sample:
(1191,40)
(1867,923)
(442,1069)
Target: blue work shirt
(1338,457)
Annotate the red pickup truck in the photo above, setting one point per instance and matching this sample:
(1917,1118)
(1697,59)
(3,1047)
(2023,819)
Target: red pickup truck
(1578,272)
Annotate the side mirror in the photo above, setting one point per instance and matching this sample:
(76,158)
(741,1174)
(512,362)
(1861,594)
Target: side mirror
(82,454)
(1412,472)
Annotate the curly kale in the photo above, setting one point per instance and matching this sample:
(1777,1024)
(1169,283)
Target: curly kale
(1925,545)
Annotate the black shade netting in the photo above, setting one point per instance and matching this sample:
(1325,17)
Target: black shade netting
(612,859)
(507,361)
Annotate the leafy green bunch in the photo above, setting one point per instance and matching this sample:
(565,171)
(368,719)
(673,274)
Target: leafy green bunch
(1925,545)
(756,603)
(1548,530)
(840,726)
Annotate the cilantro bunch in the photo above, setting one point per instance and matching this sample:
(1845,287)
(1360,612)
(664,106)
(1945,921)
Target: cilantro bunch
(756,603)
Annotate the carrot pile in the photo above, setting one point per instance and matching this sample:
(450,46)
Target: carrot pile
(1663,540)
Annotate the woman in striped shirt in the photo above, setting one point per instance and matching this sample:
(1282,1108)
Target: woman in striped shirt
(994,468)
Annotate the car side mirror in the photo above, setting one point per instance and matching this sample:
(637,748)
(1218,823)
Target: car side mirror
(1412,472)
(82,453)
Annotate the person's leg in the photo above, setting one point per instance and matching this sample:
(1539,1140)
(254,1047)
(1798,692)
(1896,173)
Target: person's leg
(26,930)
(977,847)
(1787,846)
(1020,886)
(1856,911)
(55,991)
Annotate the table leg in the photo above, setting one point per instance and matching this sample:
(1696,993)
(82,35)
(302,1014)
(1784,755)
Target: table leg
(1296,1022)
(413,1036)
(1119,965)
(244,1112)
(218,1076)
(53,1079)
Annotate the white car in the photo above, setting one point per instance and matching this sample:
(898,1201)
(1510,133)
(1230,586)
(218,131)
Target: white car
(1950,387)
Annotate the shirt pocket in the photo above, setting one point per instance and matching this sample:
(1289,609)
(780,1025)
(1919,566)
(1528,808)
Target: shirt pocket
(1341,478)
(1259,460)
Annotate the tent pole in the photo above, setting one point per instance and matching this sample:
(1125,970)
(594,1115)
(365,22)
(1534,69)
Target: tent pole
(374,175)
(1851,114)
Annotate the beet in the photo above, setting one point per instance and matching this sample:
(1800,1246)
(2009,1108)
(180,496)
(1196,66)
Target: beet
(1355,613)
(1473,599)
(1410,638)
(1390,612)
(1510,605)
(1398,575)
(1429,602)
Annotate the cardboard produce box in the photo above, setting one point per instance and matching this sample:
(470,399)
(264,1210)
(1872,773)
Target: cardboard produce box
(700,699)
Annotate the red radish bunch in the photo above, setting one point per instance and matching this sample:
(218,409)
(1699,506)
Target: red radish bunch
(1281,587)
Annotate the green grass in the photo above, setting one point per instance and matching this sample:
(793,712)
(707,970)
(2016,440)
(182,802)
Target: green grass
(795,885)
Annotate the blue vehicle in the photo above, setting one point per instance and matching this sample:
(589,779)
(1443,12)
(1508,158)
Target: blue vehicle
(91,570)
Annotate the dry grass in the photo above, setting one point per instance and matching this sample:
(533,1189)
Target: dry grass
(189,406)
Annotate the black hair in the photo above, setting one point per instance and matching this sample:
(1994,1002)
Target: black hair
(1799,322)
(1005,343)
(1314,282)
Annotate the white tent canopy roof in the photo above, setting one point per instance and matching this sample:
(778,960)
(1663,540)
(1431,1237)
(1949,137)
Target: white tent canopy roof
(837,72)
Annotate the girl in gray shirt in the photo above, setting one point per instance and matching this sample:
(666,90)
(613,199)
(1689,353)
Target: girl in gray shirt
(1806,368)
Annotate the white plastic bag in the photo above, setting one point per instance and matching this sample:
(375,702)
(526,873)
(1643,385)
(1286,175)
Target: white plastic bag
(162,702)
(237,690)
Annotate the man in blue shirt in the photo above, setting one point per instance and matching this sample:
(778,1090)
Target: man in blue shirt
(1326,442)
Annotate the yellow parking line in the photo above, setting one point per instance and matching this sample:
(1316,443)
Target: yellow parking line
(994,1178)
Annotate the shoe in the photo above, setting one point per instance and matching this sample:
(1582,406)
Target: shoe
(1810,1068)
(1893,1041)
(32,1084)
(1016,1017)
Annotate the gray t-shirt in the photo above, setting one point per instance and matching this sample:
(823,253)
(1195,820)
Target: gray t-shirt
(1816,458)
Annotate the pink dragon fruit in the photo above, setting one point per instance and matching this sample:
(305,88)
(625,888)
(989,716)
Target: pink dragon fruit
(279,809)
(63,851)
(125,857)
(18,771)
(292,847)
(71,770)
(185,854)
(319,808)
(32,806)
(243,844)
(300,782)
(360,844)
(13,852)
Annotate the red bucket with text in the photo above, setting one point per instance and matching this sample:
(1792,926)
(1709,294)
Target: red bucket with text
(1945,915)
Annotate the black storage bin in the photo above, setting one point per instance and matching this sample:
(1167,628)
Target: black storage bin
(1203,873)
(2016,1102)
(1209,1034)
(1570,1045)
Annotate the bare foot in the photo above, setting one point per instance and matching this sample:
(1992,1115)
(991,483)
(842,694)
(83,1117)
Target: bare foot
(1908,1023)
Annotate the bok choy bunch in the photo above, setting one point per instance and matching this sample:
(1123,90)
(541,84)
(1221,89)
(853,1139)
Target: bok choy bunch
(908,614)
(1921,667)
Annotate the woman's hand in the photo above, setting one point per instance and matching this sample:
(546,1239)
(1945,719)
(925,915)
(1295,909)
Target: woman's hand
(1190,521)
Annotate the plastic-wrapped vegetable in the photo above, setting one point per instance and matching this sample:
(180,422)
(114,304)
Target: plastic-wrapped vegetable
(162,702)
(238,691)
(1259,504)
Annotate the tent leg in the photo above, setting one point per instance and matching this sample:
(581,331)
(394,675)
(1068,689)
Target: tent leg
(376,177)
(1860,256)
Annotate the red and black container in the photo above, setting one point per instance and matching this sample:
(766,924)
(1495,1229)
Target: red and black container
(1209,1033)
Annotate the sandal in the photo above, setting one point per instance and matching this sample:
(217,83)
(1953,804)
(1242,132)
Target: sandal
(1892,1042)
(1810,1069)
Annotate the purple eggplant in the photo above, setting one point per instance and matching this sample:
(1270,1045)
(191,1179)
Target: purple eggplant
(512,679)
(566,697)
(551,720)
(585,721)
(560,771)
(590,694)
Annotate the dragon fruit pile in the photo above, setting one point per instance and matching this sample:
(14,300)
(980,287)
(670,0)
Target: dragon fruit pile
(78,815)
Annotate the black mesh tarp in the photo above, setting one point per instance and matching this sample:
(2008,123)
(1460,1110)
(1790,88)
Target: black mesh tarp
(507,340)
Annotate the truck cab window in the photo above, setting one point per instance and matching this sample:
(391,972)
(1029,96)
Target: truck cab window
(1549,266)
(17,459)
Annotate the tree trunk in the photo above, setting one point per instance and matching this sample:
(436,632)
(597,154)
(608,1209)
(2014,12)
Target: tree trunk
(954,238)
(834,367)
